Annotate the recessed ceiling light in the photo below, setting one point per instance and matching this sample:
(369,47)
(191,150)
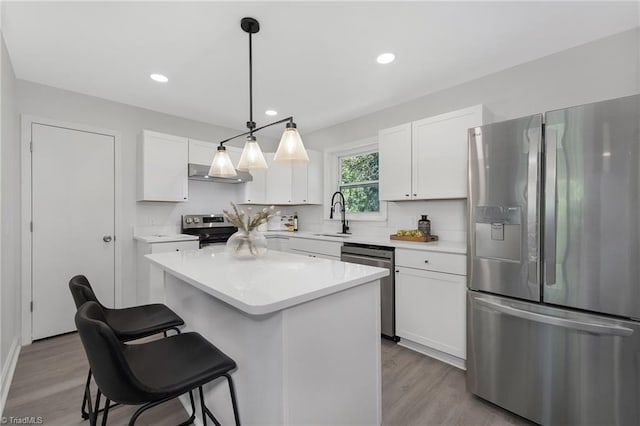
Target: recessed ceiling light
(159,78)
(386,58)
(271,112)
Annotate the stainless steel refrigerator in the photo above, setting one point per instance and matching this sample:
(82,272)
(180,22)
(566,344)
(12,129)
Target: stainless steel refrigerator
(553,302)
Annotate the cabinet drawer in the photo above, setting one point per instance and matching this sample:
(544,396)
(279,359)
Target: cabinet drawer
(174,246)
(328,248)
(432,261)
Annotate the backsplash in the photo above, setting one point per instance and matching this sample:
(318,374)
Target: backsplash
(448,219)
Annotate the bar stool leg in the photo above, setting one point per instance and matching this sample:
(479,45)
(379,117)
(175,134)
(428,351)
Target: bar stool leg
(105,413)
(233,399)
(86,397)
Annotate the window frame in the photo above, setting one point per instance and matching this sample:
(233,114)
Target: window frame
(333,174)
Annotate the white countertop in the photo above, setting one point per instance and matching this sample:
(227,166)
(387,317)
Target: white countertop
(438,246)
(164,238)
(264,285)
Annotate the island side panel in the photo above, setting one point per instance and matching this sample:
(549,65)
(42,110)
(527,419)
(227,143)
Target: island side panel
(254,342)
(332,359)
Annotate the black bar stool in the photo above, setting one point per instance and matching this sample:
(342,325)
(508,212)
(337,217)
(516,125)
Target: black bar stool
(127,324)
(149,374)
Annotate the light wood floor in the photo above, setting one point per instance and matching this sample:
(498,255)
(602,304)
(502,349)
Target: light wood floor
(416,390)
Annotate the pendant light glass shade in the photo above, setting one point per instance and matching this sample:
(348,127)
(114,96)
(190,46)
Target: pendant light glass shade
(291,147)
(252,158)
(221,166)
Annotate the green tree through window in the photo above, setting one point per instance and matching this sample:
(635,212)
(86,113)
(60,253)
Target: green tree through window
(359,182)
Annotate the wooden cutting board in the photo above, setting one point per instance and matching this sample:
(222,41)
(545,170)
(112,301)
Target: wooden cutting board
(423,239)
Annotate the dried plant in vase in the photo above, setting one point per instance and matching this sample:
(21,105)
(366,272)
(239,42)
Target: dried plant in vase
(248,242)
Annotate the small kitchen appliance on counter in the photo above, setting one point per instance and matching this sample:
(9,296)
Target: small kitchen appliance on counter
(211,229)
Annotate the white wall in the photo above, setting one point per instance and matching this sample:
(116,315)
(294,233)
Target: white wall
(204,197)
(603,69)
(10,215)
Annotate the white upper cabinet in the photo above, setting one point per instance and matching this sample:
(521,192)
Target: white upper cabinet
(279,183)
(201,152)
(427,159)
(286,182)
(394,162)
(162,167)
(307,180)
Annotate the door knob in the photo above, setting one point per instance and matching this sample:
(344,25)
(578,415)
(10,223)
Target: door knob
(106,238)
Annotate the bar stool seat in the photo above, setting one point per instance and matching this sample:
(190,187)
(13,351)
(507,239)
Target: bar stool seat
(176,364)
(142,321)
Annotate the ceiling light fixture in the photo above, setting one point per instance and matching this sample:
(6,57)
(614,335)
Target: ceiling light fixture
(271,112)
(291,147)
(386,58)
(159,78)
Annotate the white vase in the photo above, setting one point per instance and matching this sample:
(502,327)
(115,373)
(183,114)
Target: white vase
(247,245)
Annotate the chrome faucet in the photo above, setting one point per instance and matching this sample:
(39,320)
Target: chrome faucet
(345,227)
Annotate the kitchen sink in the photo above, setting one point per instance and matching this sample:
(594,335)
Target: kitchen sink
(332,235)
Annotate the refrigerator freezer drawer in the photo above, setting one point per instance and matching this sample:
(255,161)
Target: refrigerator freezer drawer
(553,366)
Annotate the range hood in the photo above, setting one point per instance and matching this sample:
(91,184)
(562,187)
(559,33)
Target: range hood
(200,172)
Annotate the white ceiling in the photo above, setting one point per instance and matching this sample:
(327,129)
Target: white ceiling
(313,60)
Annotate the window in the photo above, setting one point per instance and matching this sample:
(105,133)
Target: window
(352,168)
(358,182)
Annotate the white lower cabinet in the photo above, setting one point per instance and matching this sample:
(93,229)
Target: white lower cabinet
(315,248)
(150,281)
(278,243)
(431,311)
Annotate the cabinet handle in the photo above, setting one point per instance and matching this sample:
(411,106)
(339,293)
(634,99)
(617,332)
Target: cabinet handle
(177,249)
(249,200)
(415,195)
(426,261)
(406,195)
(397,270)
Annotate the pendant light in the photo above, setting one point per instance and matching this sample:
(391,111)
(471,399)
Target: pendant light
(222,165)
(290,148)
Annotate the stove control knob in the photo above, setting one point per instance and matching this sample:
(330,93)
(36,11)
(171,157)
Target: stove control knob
(188,220)
(196,220)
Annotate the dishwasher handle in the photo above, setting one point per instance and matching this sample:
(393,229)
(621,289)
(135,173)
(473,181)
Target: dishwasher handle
(367,260)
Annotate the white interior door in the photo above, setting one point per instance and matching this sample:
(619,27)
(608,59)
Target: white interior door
(73,222)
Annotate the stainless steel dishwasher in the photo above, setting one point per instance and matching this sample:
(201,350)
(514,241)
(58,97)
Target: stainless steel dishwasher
(382,257)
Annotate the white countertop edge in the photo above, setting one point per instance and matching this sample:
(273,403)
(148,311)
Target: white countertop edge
(443,246)
(270,308)
(165,238)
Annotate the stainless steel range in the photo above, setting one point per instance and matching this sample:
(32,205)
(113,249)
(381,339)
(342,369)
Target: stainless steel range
(210,228)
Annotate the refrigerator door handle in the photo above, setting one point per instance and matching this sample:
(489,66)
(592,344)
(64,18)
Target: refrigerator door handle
(533,238)
(550,207)
(589,327)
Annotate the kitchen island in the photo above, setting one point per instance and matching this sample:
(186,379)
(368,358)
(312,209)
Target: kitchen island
(305,333)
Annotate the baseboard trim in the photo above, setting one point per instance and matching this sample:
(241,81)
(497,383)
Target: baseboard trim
(434,353)
(184,400)
(8,369)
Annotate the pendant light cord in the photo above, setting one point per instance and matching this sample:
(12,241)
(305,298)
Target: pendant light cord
(251,125)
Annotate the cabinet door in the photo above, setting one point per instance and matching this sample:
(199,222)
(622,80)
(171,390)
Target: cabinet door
(255,192)
(315,177)
(300,182)
(394,146)
(430,309)
(440,153)
(201,152)
(307,180)
(279,185)
(163,164)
